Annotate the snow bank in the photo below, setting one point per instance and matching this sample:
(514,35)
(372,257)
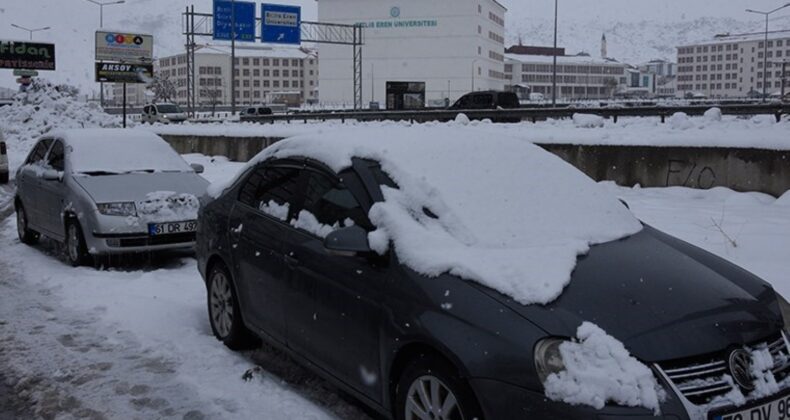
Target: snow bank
(713,115)
(500,221)
(588,121)
(43,108)
(682,130)
(784,200)
(599,369)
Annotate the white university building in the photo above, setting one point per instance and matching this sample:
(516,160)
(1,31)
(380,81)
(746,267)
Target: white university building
(453,46)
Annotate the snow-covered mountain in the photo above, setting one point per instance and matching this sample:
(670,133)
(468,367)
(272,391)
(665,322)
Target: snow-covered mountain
(631,42)
(636,40)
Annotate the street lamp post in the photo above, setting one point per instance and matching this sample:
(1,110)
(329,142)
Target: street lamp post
(765,46)
(554,53)
(101,5)
(30,31)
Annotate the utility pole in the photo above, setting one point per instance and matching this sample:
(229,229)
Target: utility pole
(554,71)
(474,70)
(784,81)
(233,57)
(765,46)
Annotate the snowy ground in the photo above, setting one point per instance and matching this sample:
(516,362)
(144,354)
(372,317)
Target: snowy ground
(134,341)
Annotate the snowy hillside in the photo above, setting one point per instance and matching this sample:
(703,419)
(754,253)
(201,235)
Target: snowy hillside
(631,42)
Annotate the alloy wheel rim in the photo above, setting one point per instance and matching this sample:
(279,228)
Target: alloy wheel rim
(430,399)
(21,223)
(74,252)
(221,305)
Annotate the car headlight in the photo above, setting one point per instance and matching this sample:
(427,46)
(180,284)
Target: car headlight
(117,209)
(548,358)
(784,308)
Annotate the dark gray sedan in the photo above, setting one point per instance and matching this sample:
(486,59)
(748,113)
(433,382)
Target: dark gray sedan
(413,346)
(107,191)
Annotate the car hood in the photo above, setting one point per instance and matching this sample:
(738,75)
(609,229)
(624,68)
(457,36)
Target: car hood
(663,298)
(137,187)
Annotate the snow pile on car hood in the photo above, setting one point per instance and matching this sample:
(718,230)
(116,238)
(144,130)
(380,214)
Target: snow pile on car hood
(168,206)
(511,216)
(43,108)
(599,369)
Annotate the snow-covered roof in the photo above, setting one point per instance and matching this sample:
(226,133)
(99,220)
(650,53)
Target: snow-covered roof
(562,59)
(260,52)
(731,39)
(511,216)
(119,150)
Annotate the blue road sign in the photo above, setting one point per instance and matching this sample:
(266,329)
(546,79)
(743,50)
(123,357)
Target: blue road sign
(281,24)
(224,19)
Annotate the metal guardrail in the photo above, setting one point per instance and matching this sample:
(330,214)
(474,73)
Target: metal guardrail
(522,114)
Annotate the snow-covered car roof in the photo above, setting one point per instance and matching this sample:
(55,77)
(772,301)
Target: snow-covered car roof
(119,150)
(510,215)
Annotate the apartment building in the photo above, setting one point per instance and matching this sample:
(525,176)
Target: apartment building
(452,46)
(274,75)
(578,76)
(732,66)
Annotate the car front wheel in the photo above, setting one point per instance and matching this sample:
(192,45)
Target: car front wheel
(26,235)
(76,250)
(224,311)
(430,389)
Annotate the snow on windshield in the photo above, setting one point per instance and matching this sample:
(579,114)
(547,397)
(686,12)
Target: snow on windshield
(120,151)
(511,216)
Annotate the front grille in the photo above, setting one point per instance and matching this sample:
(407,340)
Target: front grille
(703,379)
(178,238)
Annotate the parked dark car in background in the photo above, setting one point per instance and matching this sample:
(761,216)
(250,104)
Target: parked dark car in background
(385,334)
(4,171)
(489,100)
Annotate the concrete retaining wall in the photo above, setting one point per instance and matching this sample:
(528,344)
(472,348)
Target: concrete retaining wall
(766,171)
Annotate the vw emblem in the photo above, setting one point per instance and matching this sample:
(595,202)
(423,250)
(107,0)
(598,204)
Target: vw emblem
(395,12)
(741,369)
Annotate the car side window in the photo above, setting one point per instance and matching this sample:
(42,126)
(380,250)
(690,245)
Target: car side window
(329,203)
(57,158)
(483,100)
(39,152)
(271,190)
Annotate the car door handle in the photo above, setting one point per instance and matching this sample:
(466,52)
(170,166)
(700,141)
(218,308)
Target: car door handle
(291,260)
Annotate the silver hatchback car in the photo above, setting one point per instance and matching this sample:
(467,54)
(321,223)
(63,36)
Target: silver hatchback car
(108,191)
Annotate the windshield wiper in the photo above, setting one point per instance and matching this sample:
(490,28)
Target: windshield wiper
(99,173)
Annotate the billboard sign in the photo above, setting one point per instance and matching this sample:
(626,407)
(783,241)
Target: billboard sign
(281,24)
(224,20)
(124,47)
(124,73)
(27,55)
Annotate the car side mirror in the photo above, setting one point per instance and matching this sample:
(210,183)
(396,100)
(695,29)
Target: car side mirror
(51,175)
(198,168)
(347,242)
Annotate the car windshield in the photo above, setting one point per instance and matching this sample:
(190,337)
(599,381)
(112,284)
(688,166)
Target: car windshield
(169,109)
(107,152)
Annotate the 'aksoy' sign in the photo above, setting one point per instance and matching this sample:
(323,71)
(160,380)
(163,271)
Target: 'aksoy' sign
(27,55)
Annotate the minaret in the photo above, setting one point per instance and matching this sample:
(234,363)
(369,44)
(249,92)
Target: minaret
(604,54)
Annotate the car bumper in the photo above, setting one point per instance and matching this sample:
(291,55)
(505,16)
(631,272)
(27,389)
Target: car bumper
(500,400)
(131,243)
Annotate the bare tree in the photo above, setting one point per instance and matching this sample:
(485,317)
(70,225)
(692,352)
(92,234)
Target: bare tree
(611,85)
(163,88)
(213,98)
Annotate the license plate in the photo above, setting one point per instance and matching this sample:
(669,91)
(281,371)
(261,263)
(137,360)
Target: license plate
(776,409)
(172,228)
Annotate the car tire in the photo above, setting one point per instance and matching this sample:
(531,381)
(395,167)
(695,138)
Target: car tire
(76,250)
(224,311)
(4,178)
(414,398)
(26,235)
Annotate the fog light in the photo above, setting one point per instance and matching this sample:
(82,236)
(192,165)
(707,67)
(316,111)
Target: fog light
(115,243)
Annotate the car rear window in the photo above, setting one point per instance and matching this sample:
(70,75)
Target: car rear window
(508,100)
